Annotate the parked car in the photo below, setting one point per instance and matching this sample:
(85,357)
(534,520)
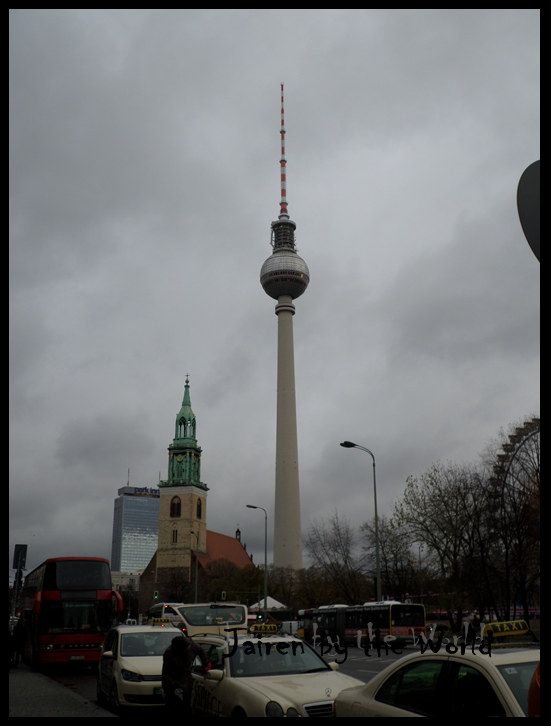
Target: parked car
(446,686)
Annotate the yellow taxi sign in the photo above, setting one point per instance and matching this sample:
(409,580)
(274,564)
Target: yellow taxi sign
(264,628)
(509,627)
(160,621)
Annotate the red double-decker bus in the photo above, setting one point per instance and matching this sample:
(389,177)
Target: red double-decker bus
(67,608)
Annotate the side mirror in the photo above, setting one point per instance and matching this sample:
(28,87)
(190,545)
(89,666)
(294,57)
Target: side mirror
(334,666)
(107,654)
(215,674)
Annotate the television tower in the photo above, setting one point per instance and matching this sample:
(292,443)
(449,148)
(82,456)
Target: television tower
(285,276)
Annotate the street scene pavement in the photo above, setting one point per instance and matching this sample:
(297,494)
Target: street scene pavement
(34,694)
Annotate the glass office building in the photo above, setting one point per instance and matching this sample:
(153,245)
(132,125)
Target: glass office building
(135,528)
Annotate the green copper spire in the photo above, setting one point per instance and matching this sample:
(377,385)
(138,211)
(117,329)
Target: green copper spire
(184,455)
(185,421)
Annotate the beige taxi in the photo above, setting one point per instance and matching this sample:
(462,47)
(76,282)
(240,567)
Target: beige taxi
(131,665)
(472,685)
(264,674)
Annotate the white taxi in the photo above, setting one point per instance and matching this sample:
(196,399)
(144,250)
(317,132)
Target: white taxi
(264,674)
(446,686)
(131,664)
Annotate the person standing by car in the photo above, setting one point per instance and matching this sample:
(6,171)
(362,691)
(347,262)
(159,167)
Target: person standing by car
(177,679)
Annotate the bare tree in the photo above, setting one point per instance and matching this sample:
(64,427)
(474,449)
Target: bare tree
(333,548)
(436,510)
(395,556)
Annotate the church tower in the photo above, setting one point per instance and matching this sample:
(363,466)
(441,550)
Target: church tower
(183,501)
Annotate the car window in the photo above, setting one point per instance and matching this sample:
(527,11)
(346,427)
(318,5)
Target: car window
(109,641)
(115,644)
(146,644)
(519,677)
(197,665)
(215,655)
(472,693)
(416,687)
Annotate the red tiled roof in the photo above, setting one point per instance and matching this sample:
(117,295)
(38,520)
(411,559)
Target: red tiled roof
(220,546)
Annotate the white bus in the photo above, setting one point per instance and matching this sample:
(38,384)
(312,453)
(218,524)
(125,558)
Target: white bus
(195,618)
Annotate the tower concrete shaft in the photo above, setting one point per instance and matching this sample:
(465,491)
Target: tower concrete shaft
(284,277)
(287,526)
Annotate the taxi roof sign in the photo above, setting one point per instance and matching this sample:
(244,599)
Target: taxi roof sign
(160,621)
(509,627)
(263,628)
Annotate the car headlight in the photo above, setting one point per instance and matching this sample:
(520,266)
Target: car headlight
(273,709)
(292,712)
(130,676)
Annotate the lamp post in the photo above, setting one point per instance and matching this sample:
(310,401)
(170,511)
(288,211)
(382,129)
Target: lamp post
(196,561)
(350,445)
(251,506)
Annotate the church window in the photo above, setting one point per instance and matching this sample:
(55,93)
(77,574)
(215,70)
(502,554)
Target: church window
(174,536)
(175,507)
(199,508)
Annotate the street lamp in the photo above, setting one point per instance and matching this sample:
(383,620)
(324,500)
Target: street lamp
(196,561)
(251,506)
(350,445)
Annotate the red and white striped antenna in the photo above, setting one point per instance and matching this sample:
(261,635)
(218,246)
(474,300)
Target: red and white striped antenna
(283,163)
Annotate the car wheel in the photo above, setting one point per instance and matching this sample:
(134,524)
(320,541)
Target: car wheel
(100,695)
(114,704)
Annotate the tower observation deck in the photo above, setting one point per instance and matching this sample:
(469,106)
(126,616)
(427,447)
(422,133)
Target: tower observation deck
(284,277)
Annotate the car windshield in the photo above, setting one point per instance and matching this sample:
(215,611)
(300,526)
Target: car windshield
(297,658)
(518,677)
(143,644)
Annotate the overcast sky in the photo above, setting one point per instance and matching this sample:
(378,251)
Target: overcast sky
(144,176)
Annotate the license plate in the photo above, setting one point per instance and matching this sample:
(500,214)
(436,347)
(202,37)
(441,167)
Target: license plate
(157,691)
(76,657)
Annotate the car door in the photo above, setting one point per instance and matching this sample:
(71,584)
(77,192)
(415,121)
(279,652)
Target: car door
(107,662)
(209,697)
(416,689)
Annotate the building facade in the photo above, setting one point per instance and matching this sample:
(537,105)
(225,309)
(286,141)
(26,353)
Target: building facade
(135,527)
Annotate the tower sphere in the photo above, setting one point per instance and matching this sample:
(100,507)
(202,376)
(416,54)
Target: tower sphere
(284,273)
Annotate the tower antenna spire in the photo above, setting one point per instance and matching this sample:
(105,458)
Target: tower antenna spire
(283,164)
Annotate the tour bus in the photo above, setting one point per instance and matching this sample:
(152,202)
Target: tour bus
(342,622)
(195,618)
(67,608)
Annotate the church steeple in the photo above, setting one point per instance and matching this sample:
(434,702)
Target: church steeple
(184,455)
(186,423)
